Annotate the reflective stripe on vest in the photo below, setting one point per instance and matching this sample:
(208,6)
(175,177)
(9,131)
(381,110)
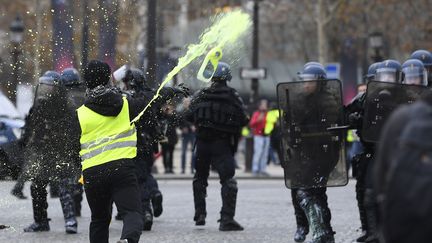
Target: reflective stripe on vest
(106,138)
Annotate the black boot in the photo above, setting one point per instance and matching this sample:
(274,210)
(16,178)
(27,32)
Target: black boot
(200,219)
(371,216)
(229,224)
(38,227)
(363,237)
(315,208)
(157,204)
(148,221)
(118,216)
(300,234)
(328,238)
(199,193)
(71,226)
(229,200)
(372,239)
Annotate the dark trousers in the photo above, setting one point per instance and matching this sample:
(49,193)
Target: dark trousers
(361,163)
(39,193)
(148,186)
(219,154)
(78,197)
(167,155)
(187,138)
(113,182)
(371,204)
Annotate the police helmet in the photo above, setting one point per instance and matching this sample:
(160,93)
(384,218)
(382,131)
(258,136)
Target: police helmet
(424,56)
(389,71)
(414,72)
(222,73)
(70,77)
(371,73)
(312,72)
(313,63)
(49,85)
(50,78)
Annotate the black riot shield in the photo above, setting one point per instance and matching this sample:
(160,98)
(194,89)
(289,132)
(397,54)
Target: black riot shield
(75,96)
(46,93)
(381,99)
(313,156)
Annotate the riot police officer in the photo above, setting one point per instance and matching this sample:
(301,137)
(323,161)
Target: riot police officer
(218,113)
(308,194)
(48,159)
(354,112)
(301,220)
(426,58)
(75,94)
(386,71)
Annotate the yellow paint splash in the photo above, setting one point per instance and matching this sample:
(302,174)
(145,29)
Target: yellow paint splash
(226,29)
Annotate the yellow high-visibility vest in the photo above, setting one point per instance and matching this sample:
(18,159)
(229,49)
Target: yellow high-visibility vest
(271,119)
(245,131)
(106,138)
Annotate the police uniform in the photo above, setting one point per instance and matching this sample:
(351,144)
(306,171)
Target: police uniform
(149,132)
(219,114)
(307,180)
(47,153)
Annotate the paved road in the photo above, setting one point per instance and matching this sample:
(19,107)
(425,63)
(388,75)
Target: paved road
(264,209)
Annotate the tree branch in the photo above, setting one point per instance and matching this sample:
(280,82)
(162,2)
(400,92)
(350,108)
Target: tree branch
(334,7)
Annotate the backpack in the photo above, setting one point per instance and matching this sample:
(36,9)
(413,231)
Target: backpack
(408,188)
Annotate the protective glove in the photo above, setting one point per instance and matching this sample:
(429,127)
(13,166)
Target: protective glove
(355,119)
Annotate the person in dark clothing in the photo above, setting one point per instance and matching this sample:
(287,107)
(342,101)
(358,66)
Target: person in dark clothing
(400,174)
(418,231)
(149,134)
(188,138)
(50,157)
(388,71)
(312,157)
(170,140)
(75,93)
(218,113)
(361,162)
(18,188)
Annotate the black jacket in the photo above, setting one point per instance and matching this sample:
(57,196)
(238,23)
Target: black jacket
(218,97)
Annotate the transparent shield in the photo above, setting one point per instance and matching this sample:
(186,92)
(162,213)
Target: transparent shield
(312,155)
(382,99)
(75,96)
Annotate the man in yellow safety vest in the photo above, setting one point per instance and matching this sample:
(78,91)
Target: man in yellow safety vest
(108,146)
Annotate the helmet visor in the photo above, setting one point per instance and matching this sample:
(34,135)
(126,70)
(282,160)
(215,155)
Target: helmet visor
(414,75)
(386,75)
(308,77)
